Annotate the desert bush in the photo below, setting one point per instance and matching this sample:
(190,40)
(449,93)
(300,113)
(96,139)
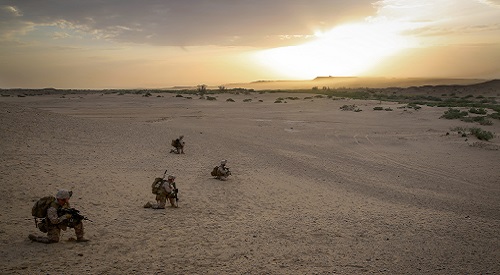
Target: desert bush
(211,98)
(414,106)
(458,129)
(481,134)
(494,115)
(454,114)
(307,97)
(485,121)
(378,108)
(230,100)
(247,100)
(410,106)
(479,119)
(350,108)
(147,94)
(292,98)
(477,132)
(178,95)
(278,101)
(388,109)
(480,111)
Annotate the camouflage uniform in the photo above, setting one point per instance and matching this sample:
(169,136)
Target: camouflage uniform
(166,191)
(222,171)
(179,145)
(54,224)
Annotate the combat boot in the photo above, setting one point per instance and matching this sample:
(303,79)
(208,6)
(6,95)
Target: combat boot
(39,239)
(82,240)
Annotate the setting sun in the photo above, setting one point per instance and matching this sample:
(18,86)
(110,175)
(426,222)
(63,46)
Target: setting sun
(346,50)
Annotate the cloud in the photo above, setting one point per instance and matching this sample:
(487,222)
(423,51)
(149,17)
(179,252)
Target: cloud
(494,3)
(11,10)
(443,18)
(185,23)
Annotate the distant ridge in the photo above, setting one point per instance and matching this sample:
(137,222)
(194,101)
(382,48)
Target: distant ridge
(491,84)
(357,82)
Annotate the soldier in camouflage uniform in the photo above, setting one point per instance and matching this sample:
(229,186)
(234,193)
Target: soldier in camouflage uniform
(178,145)
(54,223)
(167,190)
(223,172)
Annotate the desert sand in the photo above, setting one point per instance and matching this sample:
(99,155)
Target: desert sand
(314,189)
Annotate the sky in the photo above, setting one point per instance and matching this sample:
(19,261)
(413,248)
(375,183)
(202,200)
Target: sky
(95,44)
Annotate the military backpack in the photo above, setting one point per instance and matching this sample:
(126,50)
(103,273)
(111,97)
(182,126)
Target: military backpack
(40,207)
(157,184)
(215,171)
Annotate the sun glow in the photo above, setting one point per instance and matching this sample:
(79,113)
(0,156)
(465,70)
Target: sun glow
(346,50)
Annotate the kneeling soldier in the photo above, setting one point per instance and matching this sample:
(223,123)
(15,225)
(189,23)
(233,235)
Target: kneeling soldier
(53,223)
(167,189)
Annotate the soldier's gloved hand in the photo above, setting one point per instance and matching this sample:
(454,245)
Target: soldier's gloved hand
(65,217)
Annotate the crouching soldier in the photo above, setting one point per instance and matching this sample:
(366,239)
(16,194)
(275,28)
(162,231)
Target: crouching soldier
(178,145)
(221,172)
(164,189)
(57,219)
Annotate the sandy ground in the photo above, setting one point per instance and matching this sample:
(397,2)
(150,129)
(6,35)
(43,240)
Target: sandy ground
(314,190)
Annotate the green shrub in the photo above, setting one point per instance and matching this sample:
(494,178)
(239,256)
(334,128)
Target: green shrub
(481,134)
(458,129)
(480,111)
(350,108)
(414,106)
(494,115)
(485,121)
(479,119)
(454,114)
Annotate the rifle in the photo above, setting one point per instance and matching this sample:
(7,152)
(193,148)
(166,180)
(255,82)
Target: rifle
(175,194)
(75,214)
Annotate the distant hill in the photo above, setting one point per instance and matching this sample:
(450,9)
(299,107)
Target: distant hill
(492,84)
(358,82)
